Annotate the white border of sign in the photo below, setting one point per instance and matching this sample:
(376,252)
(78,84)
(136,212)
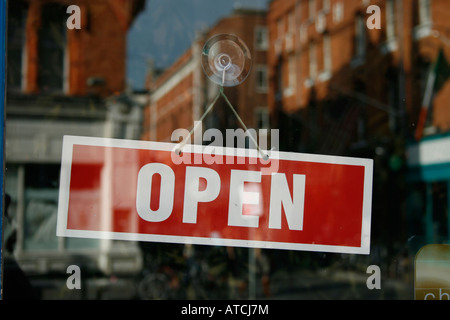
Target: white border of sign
(64,190)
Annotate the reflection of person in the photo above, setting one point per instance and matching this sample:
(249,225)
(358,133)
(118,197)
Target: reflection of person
(236,270)
(15,283)
(263,264)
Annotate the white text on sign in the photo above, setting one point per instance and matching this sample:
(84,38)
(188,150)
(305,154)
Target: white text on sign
(280,196)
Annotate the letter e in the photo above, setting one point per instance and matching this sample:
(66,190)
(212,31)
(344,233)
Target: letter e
(238,197)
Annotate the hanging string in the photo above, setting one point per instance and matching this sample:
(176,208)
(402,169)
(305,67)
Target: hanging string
(263,155)
(211,106)
(183,143)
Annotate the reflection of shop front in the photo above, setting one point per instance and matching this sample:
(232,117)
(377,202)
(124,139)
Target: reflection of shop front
(429,196)
(34,133)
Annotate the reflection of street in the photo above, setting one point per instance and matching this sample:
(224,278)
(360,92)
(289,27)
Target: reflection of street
(336,285)
(202,273)
(205,273)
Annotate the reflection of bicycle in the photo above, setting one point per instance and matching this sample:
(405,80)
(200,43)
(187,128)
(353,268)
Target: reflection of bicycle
(199,281)
(160,285)
(153,286)
(162,274)
(194,273)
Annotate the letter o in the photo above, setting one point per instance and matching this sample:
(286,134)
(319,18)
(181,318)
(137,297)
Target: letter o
(144,191)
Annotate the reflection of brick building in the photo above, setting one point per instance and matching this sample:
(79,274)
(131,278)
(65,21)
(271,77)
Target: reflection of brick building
(63,82)
(45,56)
(338,87)
(176,97)
(180,95)
(333,74)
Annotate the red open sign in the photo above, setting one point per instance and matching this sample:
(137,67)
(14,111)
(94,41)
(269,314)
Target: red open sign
(133,190)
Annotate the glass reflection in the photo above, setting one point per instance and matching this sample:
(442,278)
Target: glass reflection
(132,71)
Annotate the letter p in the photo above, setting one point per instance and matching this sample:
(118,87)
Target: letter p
(192,193)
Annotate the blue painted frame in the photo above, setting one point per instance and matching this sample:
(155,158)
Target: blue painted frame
(2,123)
(429,173)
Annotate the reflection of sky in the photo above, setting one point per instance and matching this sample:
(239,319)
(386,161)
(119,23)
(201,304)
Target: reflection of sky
(166,28)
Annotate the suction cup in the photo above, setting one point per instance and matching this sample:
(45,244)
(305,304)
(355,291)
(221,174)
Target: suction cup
(226,60)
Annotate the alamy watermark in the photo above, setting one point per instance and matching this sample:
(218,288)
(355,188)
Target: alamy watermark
(374,280)
(238,147)
(74,20)
(374,21)
(74,280)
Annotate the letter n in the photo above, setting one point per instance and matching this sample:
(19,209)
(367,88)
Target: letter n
(74,21)
(74,281)
(280,196)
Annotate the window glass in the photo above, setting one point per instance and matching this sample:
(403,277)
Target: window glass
(51,47)
(16,34)
(342,106)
